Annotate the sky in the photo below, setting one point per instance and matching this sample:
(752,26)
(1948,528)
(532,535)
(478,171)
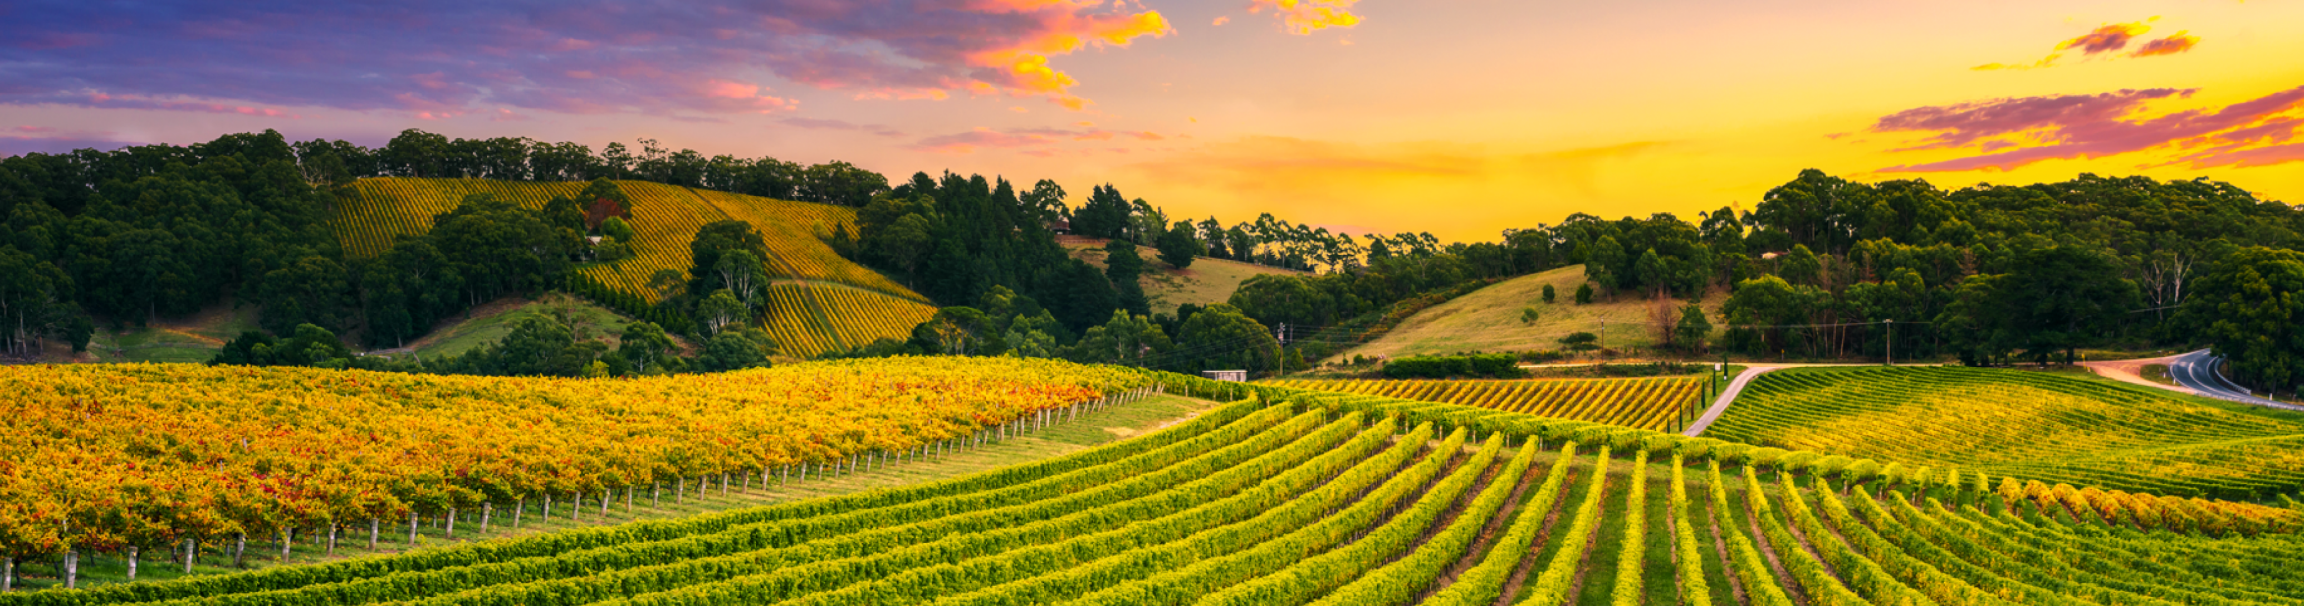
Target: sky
(1462,118)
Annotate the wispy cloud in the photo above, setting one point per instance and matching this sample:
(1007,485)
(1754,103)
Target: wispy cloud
(1043,139)
(446,59)
(1302,17)
(829,124)
(2006,134)
(2108,40)
(26,139)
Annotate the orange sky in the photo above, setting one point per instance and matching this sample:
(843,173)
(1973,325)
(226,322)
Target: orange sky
(1458,117)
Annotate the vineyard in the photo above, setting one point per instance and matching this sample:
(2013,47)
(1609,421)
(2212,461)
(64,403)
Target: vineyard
(1296,497)
(811,319)
(1657,404)
(2024,424)
(828,303)
(151,456)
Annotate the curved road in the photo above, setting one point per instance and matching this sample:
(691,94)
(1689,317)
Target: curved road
(2197,370)
(1727,395)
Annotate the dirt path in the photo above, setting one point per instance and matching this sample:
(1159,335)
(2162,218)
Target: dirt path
(2132,371)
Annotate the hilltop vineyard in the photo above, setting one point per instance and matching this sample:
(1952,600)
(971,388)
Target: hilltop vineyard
(2025,424)
(820,302)
(1298,497)
(1657,404)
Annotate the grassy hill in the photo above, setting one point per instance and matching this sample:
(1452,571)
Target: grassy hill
(1207,281)
(1489,319)
(824,302)
(2026,424)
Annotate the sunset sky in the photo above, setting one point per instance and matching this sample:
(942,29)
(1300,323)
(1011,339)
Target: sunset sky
(1459,117)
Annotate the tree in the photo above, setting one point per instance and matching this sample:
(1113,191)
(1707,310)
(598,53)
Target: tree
(1580,342)
(311,291)
(1800,267)
(644,345)
(667,283)
(1121,265)
(1692,329)
(1584,293)
(2249,307)
(715,239)
(1105,215)
(2055,299)
(1178,246)
(1528,316)
(1655,277)
(1221,338)
(1548,294)
(736,350)
(615,227)
(603,200)
(958,331)
(308,346)
(1606,265)
(740,273)
(1046,201)
(1274,299)
(1082,297)
(716,312)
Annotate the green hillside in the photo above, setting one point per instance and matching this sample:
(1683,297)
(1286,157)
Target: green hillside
(2026,424)
(825,302)
(1208,281)
(1489,319)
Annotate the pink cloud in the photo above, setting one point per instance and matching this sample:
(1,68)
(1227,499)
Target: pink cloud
(584,56)
(970,141)
(2105,39)
(2035,129)
(2167,46)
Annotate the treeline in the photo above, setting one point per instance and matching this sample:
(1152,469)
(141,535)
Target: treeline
(415,153)
(1829,268)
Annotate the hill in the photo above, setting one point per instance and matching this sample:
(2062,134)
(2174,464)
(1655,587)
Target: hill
(1489,319)
(1208,281)
(828,303)
(2027,424)
(1358,500)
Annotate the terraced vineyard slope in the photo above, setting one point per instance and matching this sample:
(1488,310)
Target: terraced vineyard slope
(1336,499)
(1658,403)
(2025,424)
(858,305)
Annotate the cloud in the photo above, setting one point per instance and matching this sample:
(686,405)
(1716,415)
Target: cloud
(21,140)
(2167,46)
(1302,17)
(1039,137)
(1221,21)
(587,56)
(827,124)
(2006,134)
(2105,39)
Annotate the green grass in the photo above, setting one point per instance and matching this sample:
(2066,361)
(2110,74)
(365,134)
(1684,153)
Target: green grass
(194,338)
(488,324)
(1206,282)
(2050,426)
(1489,319)
(1111,425)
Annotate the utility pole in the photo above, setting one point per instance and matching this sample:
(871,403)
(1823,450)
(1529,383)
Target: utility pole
(1280,347)
(1891,342)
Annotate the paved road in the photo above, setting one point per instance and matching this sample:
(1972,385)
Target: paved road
(2197,370)
(1720,405)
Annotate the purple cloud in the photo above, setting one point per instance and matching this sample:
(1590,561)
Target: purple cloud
(22,140)
(2034,129)
(440,58)
(828,124)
